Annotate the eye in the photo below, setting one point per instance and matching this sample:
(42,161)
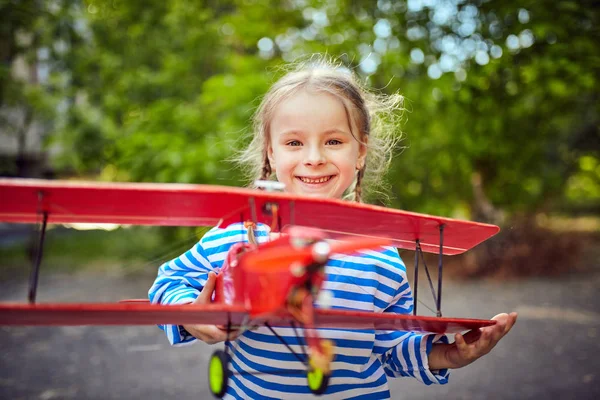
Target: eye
(333,142)
(294,143)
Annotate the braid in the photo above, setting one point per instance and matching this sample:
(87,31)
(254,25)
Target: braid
(266,168)
(357,187)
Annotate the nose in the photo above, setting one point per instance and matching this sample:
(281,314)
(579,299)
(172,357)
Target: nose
(314,156)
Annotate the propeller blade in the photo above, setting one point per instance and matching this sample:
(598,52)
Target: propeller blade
(277,259)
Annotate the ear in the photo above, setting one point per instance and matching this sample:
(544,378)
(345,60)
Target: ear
(271,156)
(362,153)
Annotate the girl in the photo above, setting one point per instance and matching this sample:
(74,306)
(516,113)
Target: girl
(318,132)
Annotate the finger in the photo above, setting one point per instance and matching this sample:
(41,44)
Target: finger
(512,319)
(502,317)
(472,336)
(484,343)
(461,344)
(274,236)
(231,331)
(498,330)
(206,293)
(233,335)
(468,352)
(506,322)
(496,334)
(221,335)
(459,339)
(210,334)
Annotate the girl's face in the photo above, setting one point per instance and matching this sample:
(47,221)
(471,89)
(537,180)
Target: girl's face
(311,148)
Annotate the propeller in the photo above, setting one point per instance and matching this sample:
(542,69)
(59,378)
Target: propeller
(280,258)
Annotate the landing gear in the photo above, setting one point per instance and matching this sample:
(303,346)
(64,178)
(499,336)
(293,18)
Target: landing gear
(319,366)
(218,373)
(317,381)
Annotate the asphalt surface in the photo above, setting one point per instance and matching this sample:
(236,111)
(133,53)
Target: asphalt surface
(552,352)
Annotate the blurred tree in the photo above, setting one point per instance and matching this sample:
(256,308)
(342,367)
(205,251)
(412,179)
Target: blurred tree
(511,109)
(155,95)
(502,96)
(23,102)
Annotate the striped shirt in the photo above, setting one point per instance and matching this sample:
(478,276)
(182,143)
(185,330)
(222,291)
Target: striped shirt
(367,281)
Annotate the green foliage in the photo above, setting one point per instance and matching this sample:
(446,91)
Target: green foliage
(161,91)
(125,250)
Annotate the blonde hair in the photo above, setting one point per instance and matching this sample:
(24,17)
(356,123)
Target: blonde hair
(373,120)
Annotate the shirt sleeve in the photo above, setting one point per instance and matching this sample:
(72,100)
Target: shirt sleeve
(409,357)
(179,281)
(406,353)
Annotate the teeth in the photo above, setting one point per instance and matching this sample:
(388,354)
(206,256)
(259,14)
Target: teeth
(317,180)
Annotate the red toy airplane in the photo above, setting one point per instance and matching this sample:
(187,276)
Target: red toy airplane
(291,267)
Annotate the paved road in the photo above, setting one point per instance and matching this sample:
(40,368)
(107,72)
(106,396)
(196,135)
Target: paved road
(553,351)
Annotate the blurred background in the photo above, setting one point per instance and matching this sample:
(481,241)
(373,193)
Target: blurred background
(501,125)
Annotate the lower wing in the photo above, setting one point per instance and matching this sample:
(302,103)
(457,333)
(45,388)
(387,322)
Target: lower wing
(387,321)
(141,312)
(133,312)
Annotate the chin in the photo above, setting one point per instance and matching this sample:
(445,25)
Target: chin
(316,195)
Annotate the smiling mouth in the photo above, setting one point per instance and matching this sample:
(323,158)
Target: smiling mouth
(315,181)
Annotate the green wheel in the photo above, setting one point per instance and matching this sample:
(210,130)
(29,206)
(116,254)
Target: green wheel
(218,373)
(317,381)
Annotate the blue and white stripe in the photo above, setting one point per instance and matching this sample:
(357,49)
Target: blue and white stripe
(368,281)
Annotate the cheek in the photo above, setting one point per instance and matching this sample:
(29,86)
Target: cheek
(283,167)
(347,161)
(280,175)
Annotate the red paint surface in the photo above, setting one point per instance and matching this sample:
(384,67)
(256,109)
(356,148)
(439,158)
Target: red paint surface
(138,313)
(243,288)
(179,204)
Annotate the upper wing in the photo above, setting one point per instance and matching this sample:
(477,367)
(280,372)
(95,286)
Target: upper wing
(23,200)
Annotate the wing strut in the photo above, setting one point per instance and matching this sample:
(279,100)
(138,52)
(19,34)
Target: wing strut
(416,277)
(35,268)
(282,340)
(440,268)
(437,298)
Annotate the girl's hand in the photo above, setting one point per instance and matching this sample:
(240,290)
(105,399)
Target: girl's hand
(274,236)
(477,343)
(210,334)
